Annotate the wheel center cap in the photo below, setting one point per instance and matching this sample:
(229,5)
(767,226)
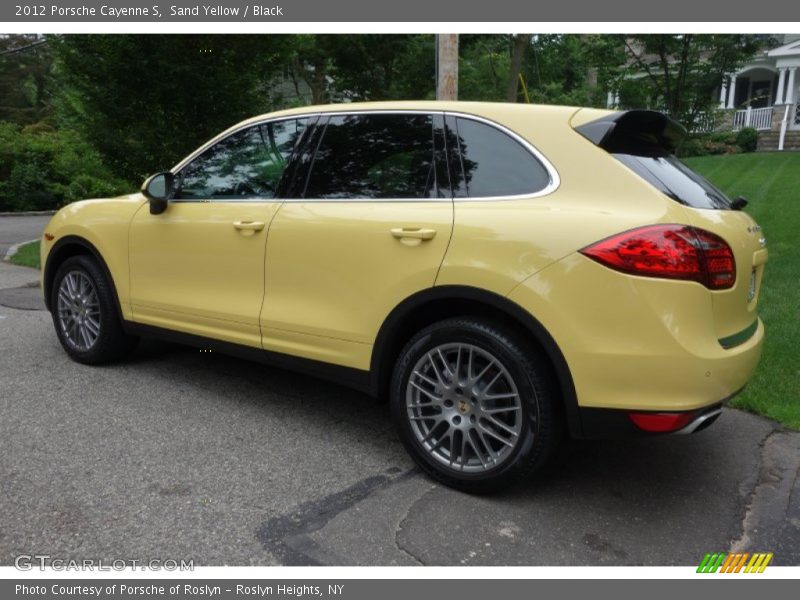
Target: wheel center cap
(463,406)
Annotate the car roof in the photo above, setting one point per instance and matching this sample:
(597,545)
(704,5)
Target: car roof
(489,110)
(485,109)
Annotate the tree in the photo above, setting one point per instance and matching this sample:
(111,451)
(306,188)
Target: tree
(146,101)
(555,67)
(680,73)
(24,71)
(520,43)
(381,67)
(310,62)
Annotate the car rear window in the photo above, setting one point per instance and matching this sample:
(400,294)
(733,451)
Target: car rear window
(676,180)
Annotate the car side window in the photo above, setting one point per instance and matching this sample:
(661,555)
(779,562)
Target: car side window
(245,165)
(374,156)
(487,162)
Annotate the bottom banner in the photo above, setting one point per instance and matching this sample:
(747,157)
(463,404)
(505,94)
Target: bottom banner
(390,589)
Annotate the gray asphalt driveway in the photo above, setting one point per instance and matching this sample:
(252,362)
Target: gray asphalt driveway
(14,230)
(181,454)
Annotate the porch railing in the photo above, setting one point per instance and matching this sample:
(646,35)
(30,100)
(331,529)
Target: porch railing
(758,118)
(704,123)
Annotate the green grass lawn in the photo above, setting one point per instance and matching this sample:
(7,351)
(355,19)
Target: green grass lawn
(771,183)
(27,255)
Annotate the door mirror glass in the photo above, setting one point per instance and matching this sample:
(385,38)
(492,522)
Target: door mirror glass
(158,189)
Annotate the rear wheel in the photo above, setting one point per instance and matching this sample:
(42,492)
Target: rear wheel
(85,314)
(475,405)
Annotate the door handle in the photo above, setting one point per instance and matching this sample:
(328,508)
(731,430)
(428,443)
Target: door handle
(248,227)
(413,236)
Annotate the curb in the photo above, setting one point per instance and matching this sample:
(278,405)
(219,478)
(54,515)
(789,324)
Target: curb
(28,213)
(12,250)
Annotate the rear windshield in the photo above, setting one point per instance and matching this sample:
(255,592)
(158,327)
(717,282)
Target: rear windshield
(677,181)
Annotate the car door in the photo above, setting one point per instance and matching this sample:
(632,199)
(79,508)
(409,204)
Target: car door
(199,266)
(366,225)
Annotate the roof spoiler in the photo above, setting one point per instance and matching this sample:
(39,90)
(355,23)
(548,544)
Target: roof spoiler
(638,132)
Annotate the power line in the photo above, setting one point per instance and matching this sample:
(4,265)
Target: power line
(24,48)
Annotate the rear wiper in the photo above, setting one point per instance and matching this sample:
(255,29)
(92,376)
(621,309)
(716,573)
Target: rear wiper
(739,203)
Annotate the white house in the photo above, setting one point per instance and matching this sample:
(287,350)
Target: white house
(765,94)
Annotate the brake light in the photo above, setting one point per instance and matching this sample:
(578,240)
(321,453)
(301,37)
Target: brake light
(671,252)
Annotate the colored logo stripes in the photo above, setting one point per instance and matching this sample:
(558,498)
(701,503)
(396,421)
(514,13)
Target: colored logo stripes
(734,563)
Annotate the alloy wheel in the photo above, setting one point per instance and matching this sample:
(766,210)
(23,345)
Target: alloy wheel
(79,311)
(464,407)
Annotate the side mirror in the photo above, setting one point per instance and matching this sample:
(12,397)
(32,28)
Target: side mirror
(158,189)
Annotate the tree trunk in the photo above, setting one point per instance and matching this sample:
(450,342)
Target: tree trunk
(319,89)
(517,54)
(447,69)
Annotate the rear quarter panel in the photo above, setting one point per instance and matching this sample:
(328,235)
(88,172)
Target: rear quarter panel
(496,244)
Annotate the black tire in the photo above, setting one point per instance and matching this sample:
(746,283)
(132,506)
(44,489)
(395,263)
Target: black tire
(111,342)
(540,427)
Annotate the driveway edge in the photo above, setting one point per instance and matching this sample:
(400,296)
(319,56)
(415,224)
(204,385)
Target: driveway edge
(12,250)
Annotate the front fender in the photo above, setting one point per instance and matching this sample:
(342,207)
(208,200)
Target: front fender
(100,227)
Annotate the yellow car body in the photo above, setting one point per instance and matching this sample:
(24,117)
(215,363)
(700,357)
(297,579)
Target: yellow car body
(341,282)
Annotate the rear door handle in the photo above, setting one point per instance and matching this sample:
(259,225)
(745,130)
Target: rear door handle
(413,236)
(249,227)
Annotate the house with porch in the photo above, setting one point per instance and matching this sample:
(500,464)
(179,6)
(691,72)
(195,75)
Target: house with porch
(765,94)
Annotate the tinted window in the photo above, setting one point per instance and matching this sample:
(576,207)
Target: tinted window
(677,181)
(493,163)
(246,164)
(374,156)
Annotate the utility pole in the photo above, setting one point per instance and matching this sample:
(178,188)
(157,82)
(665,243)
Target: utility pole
(447,66)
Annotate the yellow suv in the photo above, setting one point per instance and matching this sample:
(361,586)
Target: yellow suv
(504,274)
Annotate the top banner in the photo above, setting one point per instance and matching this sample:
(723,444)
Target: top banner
(464,11)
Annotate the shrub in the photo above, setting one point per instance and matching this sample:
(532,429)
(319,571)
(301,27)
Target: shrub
(709,143)
(747,139)
(42,168)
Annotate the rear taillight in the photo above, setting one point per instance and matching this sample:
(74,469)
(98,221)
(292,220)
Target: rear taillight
(669,251)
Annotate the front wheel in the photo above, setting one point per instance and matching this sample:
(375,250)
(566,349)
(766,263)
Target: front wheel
(85,314)
(475,405)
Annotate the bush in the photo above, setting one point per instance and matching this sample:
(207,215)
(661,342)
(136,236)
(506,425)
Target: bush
(709,143)
(42,168)
(747,139)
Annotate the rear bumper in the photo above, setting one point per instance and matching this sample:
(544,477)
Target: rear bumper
(610,423)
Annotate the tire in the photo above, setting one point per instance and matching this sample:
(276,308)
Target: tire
(84,310)
(451,428)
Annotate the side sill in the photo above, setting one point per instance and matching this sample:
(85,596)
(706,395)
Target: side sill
(347,376)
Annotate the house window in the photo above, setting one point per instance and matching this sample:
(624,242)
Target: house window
(761,94)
